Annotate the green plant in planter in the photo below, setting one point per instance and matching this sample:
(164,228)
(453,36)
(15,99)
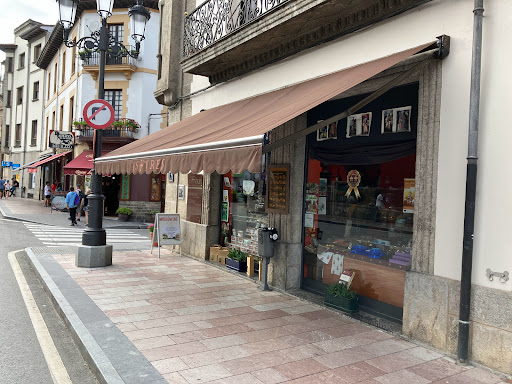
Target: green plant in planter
(341,297)
(341,290)
(124,211)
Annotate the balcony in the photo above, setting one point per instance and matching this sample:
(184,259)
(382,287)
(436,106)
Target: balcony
(225,39)
(91,63)
(119,136)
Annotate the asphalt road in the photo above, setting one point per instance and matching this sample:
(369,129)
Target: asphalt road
(21,355)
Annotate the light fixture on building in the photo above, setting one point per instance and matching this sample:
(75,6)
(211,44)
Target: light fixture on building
(105,8)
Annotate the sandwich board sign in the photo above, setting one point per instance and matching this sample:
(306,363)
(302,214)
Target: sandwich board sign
(167,230)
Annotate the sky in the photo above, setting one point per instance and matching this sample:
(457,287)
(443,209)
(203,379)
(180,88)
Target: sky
(15,13)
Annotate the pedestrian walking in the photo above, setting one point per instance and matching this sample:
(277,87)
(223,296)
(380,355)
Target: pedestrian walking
(80,194)
(2,188)
(54,186)
(47,194)
(85,206)
(14,185)
(72,202)
(7,189)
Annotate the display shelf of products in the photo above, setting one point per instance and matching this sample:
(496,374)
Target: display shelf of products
(382,254)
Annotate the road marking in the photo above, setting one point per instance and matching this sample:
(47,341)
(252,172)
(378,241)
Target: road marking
(51,355)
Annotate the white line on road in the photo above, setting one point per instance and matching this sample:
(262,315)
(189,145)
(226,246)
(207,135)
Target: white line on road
(53,359)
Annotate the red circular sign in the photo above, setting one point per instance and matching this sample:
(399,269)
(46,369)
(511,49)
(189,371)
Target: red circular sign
(99,114)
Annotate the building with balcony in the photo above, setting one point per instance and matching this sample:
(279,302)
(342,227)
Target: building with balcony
(72,81)
(344,125)
(23,126)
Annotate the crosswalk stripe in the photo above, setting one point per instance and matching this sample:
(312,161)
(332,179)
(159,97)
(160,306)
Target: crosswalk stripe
(55,236)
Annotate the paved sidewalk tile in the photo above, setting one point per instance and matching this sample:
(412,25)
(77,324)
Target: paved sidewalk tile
(199,324)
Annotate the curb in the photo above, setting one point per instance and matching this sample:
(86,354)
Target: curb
(110,355)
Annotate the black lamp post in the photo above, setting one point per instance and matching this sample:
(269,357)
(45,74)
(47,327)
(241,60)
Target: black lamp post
(101,41)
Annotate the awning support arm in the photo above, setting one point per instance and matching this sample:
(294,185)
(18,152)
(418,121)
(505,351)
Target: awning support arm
(437,54)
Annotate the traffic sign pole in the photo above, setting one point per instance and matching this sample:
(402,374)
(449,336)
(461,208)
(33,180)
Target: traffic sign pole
(95,234)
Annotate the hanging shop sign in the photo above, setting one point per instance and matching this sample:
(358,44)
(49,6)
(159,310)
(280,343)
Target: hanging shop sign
(99,114)
(278,188)
(62,140)
(167,230)
(7,164)
(353,181)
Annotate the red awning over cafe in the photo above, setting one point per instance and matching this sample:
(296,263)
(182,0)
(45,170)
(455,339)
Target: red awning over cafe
(33,168)
(82,164)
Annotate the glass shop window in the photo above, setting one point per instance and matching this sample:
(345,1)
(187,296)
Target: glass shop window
(242,210)
(359,200)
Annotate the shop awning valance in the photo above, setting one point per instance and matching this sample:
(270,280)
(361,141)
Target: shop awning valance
(33,168)
(82,164)
(230,137)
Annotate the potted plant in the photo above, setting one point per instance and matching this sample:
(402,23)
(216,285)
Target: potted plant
(151,229)
(341,297)
(123,213)
(117,124)
(85,54)
(79,124)
(237,260)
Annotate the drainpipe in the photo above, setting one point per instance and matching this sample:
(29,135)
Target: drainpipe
(27,93)
(469,214)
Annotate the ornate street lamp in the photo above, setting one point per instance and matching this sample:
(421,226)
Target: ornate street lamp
(95,235)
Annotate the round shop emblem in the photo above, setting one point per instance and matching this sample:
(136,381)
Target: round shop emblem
(353,181)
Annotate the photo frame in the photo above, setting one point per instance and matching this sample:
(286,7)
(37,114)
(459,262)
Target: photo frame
(171,177)
(181,192)
(359,125)
(322,134)
(396,120)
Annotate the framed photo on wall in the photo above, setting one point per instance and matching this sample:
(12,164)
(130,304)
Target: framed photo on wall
(171,177)
(359,125)
(403,119)
(181,192)
(388,121)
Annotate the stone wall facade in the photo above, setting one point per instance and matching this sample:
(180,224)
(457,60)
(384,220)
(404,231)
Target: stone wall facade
(431,312)
(141,210)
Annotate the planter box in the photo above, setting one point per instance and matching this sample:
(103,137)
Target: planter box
(240,266)
(218,253)
(122,217)
(341,303)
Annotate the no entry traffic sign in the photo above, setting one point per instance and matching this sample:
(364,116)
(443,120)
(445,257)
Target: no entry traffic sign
(98,114)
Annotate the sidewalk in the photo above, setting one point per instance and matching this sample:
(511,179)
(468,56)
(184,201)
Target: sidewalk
(175,319)
(30,210)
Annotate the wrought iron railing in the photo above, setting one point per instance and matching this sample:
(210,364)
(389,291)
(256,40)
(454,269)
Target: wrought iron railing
(121,132)
(93,58)
(215,19)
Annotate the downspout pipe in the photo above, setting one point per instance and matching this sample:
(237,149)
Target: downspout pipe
(471,178)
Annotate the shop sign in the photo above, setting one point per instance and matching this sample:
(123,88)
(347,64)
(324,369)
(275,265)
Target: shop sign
(62,140)
(278,188)
(7,164)
(167,230)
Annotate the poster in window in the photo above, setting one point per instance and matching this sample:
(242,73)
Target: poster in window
(403,119)
(409,195)
(322,205)
(278,188)
(359,125)
(312,203)
(125,187)
(322,134)
(322,191)
(224,214)
(155,191)
(327,132)
(388,121)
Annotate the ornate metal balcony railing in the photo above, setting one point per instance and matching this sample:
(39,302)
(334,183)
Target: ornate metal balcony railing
(121,132)
(93,58)
(216,19)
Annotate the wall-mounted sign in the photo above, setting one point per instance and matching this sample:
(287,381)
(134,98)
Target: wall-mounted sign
(62,140)
(278,188)
(6,163)
(15,166)
(125,187)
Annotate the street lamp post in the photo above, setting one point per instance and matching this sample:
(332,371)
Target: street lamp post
(94,250)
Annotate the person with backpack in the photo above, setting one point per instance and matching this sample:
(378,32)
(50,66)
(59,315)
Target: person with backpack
(72,202)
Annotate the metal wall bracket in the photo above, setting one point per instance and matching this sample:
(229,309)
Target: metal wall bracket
(443,46)
(502,276)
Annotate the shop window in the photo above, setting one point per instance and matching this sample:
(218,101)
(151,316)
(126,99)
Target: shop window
(242,210)
(194,197)
(359,199)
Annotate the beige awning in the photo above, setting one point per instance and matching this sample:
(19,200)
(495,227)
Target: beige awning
(230,137)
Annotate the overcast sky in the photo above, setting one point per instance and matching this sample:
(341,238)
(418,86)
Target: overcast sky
(15,13)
